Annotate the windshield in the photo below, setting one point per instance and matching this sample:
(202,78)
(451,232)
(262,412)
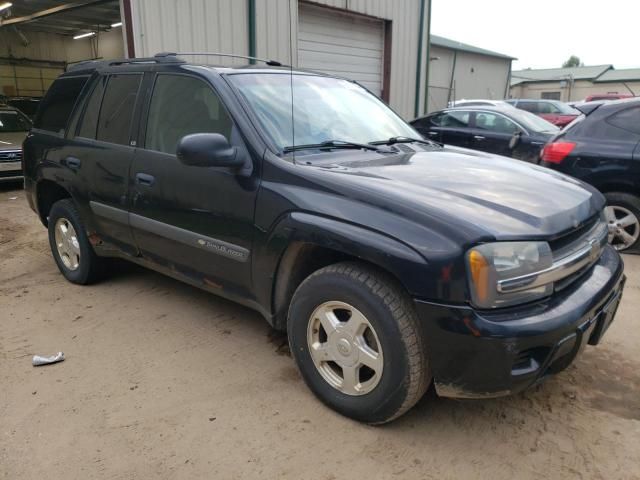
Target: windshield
(13,121)
(324,109)
(532,122)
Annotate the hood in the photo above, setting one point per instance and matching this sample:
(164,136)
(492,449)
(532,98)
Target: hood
(469,190)
(12,140)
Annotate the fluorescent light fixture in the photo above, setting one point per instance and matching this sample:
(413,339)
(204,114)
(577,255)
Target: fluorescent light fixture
(5,5)
(117,24)
(84,35)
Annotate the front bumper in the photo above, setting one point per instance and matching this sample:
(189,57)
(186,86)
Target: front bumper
(10,170)
(479,354)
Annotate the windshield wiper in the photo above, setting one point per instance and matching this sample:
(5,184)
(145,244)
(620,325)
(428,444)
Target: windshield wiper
(332,144)
(394,140)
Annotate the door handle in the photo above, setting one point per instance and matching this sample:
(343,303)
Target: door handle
(72,162)
(145,179)
(433,134)
(478,137)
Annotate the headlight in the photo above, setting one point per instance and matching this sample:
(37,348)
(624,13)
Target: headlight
(491,263)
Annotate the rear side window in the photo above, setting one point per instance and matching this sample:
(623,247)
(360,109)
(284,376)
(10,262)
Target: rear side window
(89,124)
(56,108)
(180,106)
(118,104)
(495,123)
(628,119)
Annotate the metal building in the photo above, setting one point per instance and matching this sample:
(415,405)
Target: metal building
(380,43)
(574,83)
(460,71)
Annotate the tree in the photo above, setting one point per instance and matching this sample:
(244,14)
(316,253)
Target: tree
(573,62)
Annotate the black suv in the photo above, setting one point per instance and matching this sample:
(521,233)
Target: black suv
(602,148)
(390,261)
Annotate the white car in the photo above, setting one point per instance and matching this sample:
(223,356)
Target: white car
(479,103)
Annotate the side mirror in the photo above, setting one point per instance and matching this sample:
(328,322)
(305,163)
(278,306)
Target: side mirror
(515,140)
(208,150)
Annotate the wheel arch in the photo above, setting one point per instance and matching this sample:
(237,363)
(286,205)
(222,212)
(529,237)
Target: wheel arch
(315,242)
(48,192)
(618,186)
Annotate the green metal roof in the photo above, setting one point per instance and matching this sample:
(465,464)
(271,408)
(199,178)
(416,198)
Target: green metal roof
(624,75)
(557,74)
(463,47)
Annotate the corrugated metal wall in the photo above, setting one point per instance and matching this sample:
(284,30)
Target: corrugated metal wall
(476,76)
(222,25)
(191,25)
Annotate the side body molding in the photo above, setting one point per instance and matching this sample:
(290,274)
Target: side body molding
(180,235)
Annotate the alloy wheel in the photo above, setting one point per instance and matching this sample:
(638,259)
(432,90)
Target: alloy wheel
(67,244)
(345,348)
(624,227)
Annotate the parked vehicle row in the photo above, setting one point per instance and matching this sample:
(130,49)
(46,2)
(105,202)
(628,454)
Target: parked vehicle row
(392,262)
(501,130)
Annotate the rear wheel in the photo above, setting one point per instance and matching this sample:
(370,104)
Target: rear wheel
(70,245)
(355,337)
(623,217)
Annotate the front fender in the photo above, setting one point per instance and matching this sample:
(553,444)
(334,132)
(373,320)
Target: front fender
(419,277)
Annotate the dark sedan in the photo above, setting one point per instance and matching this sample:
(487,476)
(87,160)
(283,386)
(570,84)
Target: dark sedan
(502,130)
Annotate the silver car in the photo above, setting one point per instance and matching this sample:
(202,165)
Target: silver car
(14,126)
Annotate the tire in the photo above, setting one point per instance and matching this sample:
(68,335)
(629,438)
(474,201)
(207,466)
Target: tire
(392,343)
(87,267)
(623,216)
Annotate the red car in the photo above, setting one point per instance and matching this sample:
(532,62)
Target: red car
(606,96)
(554,111)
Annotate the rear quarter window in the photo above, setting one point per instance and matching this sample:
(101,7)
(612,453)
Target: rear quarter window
(627,119)
(56,107)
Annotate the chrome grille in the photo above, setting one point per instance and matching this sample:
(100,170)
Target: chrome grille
(10,155)
(593,239)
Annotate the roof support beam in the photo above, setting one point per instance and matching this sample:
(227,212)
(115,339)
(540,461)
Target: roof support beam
(66,7)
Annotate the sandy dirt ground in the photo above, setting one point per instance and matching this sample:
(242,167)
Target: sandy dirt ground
(163,381)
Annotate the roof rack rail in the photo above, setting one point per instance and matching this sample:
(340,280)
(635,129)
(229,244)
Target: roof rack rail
(89,64)
(154,59)
(271,63)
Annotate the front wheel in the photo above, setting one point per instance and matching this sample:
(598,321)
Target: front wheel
(623,217)
(356,340)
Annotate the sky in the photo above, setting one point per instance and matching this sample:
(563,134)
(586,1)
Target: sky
(545,33)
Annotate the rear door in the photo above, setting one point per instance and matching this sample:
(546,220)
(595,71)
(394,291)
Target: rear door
(493,132)
(101,151)
(195,221)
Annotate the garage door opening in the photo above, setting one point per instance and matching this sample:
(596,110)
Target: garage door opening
(344,44)
(40,39)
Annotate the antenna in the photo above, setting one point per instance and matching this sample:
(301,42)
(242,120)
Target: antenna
(293,123)
(271,63)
